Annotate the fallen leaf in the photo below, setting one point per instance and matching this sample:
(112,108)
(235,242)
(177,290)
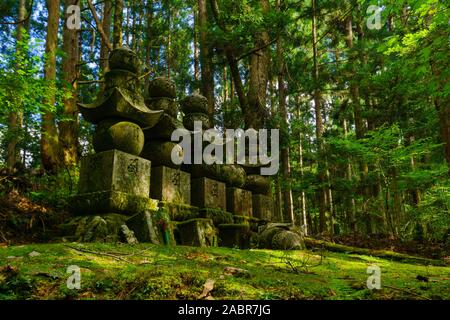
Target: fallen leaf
(238,272)
(207,288)
(34,254)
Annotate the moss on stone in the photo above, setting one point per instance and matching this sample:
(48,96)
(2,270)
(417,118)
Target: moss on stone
(198,232)
(179,211)
(218,216)
(110,201)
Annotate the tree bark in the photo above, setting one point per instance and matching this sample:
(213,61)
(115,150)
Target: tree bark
(106,26)
(207,69)
(323,225)
(68,126)
(118,21)
(288,207)
(259,76)
(50,149)
(15,118)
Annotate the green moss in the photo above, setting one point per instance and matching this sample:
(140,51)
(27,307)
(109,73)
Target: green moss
(218,216)
(163,272)
(179,211)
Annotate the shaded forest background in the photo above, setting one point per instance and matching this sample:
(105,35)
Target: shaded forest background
(364,113)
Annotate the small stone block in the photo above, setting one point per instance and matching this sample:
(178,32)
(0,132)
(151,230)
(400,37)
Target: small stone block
(197,233)
(262,207)
(239,202)
(115,170)
(170,185)
(208,193)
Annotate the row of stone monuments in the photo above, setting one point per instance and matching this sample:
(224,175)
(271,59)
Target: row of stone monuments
(131,190)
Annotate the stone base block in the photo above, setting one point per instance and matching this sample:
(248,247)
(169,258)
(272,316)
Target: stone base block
(239,202)
(153,227)
(262,207)
(105,228)
(110,201)
(208,193)
(115,170)
(234,236)
(170,185)
(197,233)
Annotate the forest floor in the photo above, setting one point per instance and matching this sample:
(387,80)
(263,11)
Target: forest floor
(120,271)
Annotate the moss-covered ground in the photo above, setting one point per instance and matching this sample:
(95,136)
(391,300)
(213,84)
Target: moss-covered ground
(113,271)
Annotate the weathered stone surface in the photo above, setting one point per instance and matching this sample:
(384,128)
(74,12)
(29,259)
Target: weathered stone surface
(164,128)
(233,175)
(115,171)
(121,135)
(195,103)
(102,202)
(120,103)
(121,79)
(170,185)
(179,211)
(149,226)
(239,202)
(169,105)
(257,184)
(208,193)
(262,207)
(188,120)
(234,235)
(280,236)
(287,240)
(197,233)
(161,87)
(160,153)
(125,59)
(105,228)
(128,235)
(218,216)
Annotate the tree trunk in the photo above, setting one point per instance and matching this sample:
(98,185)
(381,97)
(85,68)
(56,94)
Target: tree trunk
(258,77)
(288,207)
(302,198)
(15,118)
(118,21)
(68,126)
(106,25)
(319,126)
(207,69)
(50,149)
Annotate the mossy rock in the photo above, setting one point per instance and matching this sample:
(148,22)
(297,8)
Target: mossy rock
(164,128)
(189,119)
(235,235)
(179,211)
(125,59)
(104,228)
(122,79)
(160,87)
(152,227)
(257,184)
(198,233)
(287,240)
(216,215)
(121,135)
(233,175)
(194,103)
(110,201)
(241,220)
(160,153)
(169,105)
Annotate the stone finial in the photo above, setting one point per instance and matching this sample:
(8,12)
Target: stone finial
(124,59)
